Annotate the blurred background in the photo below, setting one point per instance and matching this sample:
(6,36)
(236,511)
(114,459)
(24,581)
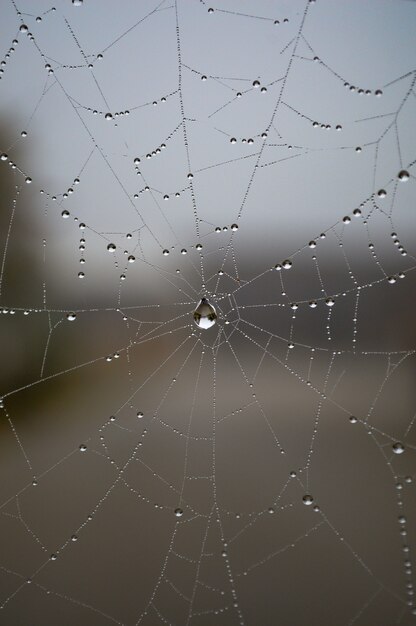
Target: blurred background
(260,155)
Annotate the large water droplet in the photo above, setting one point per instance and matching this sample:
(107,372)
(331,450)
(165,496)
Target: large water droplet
(205,315)
(403,175)
(398,448)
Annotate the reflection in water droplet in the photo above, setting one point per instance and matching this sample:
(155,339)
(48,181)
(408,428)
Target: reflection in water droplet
(403,175)
(398,448)
(205,315)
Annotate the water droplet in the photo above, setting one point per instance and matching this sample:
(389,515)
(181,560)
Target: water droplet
(329,302)
(28,180)
(111,247)
(198,246)
(203,77)
(82,447)
(391,280)
(65,214)
(178,512)
(108,116)
(398,448)
(77,3)
(140,414)
(346,219)
(74,538)
(378,92)
(381,193)
(312,244)
(71,317)
(165,252)
(23,28)
(234,227)
(233,140)
(403,175)
(353,419)
(3,156)
(307,499)
(184,251)
(287,264)
(131,259)
(205,315)
(313,304)
(53,557)
(358,149)
(256,83)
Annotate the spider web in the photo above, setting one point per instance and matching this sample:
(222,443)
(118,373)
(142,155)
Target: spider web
(260,155)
